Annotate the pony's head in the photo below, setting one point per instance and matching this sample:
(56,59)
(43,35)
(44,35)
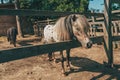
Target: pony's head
(80,27)
(71,26)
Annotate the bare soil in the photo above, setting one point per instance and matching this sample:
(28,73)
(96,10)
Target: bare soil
(87,64)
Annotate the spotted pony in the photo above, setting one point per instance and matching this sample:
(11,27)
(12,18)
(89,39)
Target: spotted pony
(70,27)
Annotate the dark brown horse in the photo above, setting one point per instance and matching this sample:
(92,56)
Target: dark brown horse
(11,35)
(70,27)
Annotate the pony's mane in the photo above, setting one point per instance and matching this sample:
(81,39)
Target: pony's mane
(63,27)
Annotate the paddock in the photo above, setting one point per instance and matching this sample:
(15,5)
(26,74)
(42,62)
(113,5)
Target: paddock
(88,64)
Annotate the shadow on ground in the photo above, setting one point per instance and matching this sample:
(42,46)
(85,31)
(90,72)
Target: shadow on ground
(24,43)
(85,64)
(1,41)
(28,42)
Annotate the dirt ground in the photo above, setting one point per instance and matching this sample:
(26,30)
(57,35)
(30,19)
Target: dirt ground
(87,64)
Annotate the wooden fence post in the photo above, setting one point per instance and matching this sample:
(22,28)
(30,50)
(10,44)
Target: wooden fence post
(20,34)
(108,33)
(93,27)
(115,33)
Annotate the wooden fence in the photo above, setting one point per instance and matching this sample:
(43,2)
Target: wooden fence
(28,51)
(17,53)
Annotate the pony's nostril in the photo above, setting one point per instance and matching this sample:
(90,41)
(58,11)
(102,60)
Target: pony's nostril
(89,45)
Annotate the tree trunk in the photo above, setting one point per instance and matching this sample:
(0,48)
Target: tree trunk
(20,34)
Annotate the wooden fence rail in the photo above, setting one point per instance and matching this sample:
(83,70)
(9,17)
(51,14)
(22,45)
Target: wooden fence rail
(29,12)
(28,51)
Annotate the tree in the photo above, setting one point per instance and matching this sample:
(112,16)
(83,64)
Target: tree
(55,5)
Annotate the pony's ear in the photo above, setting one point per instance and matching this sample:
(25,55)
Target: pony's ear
(74,17)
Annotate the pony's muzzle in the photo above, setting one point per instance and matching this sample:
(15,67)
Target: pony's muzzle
(89,44)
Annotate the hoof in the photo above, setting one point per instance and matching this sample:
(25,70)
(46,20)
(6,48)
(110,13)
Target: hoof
(65,74)
(50,59)
(71,69)
(14,45)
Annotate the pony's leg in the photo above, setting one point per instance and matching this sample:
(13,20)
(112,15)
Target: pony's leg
(68,58)
(50,56)
(8,39)
(14,43)
(53,55)
(62,62)
(10,42)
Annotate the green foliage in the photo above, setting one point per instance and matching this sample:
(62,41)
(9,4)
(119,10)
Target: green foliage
(56,5)
(25,4)
(115,6)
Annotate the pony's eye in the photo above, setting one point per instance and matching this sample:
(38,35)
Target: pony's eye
(78,29)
